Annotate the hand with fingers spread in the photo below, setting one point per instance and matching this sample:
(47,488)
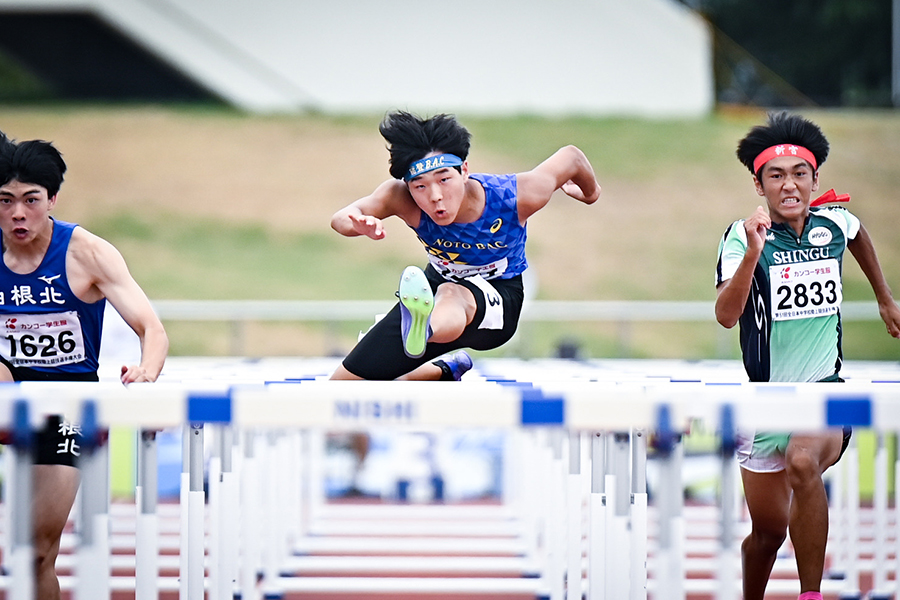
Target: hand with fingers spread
(367,225)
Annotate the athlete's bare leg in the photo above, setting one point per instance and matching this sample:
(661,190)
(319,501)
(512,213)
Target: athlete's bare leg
(795,500)
(806,459)
(53,494)
(768,498)
(54,488)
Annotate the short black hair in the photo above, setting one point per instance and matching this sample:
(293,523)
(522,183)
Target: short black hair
(35,161)
(410,138)
(783,128)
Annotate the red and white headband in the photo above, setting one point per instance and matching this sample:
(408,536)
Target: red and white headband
(783,150)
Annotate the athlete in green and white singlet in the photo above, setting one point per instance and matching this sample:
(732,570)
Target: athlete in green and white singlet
(779,277)
(791,324)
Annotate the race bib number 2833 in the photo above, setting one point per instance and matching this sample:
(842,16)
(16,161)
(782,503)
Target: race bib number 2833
(42,340)
(804,290)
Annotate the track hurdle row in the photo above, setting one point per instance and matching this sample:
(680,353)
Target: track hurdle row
(569,529)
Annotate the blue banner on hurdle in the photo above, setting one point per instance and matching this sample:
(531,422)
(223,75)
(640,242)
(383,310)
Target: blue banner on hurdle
(209,407)
(538,409)
(848,411)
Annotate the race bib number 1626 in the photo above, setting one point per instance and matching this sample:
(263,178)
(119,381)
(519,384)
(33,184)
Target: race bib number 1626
(42,340)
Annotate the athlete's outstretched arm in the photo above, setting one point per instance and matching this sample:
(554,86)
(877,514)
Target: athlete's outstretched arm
(863,250)
(364,216)
(100,263)
(732,294)
(567,169)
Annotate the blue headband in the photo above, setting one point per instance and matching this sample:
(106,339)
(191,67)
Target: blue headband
(431,163)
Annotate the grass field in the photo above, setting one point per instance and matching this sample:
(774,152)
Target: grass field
(213,204)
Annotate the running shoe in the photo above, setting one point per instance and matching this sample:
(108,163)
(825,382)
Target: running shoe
(416,304)
(459,363)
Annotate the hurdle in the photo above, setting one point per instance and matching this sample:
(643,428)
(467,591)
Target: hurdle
(582,433)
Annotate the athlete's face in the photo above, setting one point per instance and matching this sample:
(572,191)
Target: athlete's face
(24,212)
(440,193)
(787,182)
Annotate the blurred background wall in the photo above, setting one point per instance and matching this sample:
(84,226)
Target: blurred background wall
(641,57)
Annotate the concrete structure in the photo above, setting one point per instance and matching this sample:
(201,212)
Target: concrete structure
(641,57)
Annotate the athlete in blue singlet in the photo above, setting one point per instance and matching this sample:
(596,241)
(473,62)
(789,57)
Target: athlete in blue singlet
(55,279)
(473,227)
(493,246)
(47,330)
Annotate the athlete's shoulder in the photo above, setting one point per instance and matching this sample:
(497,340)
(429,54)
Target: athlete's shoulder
(499,190)
(735,230)
(64,225)
(495,180)
(90,249)
(62,232)
(838,216)
(825,211)
(733,243)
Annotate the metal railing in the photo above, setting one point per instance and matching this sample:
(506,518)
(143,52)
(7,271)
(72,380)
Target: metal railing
(623,313)
(534,310)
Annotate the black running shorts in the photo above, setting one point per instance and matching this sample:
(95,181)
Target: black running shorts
(58,442)
(379,354)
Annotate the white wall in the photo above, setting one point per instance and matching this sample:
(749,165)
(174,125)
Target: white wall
(633,57)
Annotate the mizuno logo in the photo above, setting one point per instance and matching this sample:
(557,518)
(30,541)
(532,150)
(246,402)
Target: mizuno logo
(48,280)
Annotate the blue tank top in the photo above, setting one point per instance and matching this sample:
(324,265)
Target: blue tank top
(493,246)
(45,326)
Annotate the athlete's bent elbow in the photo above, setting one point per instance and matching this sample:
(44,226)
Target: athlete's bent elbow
(339,223)
(726,321)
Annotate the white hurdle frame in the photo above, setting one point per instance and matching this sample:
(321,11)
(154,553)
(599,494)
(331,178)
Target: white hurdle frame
(602,410)
(21,557)
(146,550)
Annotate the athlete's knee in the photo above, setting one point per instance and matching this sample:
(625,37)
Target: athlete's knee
(764,540)
(44,563)
(456,297)
(46,549)
(448,321)
(801,468)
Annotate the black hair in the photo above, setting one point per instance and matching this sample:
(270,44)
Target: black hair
(36,162)
(410,138)
(783,128)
